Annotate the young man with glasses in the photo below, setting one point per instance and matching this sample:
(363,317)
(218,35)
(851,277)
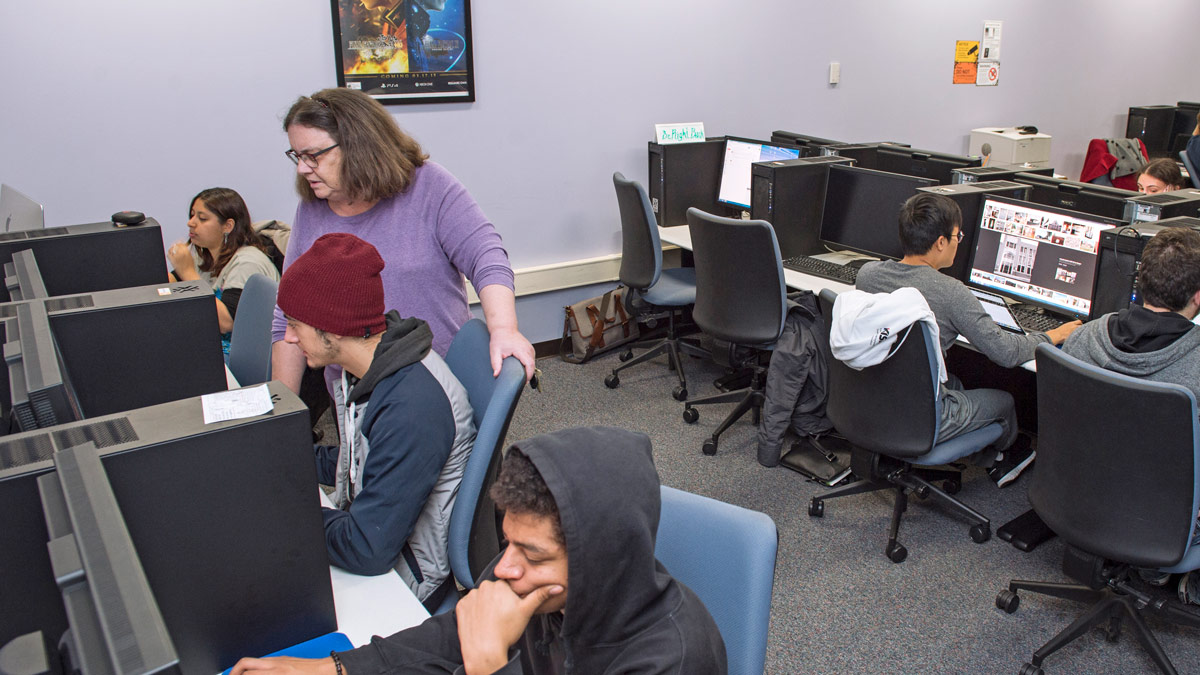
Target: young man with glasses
(930,232)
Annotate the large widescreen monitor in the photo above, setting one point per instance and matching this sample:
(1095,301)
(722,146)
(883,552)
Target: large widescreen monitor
(862,208)
(1098,200)
(740,153)
(225,518)
(1038,255)
(939,166)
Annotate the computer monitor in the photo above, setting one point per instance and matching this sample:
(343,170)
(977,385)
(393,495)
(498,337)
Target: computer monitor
(740,153)
(92,256)
(1038,255)
(116,626)
(862,208)
(939,166)
(132,347)
(1097,200)
(18,212)
(40,393)
(225,518)
(23,278)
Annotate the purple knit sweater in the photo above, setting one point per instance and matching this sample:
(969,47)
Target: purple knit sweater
(430,235)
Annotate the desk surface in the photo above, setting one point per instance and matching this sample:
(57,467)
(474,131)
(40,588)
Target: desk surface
(681,236)
(367,606)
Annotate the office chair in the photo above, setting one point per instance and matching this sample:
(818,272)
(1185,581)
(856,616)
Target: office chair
(741,300)
(250,344)
(474,526)
(652,289)
(1187,162)
(1116,478)
(726,554)
(890,414)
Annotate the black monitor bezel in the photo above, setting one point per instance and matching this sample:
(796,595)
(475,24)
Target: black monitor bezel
(725,151)
(831,245)
(1076,187)
(1026,300)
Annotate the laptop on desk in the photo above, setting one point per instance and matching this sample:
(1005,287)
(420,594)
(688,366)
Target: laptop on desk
(1040,261)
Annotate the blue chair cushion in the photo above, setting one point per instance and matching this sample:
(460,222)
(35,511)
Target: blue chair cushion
(676,287)
(959,446)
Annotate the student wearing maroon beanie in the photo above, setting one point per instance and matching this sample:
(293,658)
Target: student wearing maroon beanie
(404,421)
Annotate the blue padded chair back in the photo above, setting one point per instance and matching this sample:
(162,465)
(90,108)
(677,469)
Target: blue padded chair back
(1187,161)
(740,292)
(474,540)
(1116,470)
(890,408)
(726,554)
(250,344)
(641,250)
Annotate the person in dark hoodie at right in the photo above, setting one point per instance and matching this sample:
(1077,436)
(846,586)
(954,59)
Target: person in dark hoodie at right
(1155,341)
(404,420)
(576,590)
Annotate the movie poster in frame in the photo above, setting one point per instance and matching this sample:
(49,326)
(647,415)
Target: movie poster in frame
(405,51)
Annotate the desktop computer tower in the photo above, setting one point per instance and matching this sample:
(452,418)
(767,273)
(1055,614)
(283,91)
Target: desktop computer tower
(969,197)
(790,194)
(130,348)
(1153,124)
(976,174)
(683,175)
(1149,208)
(810,145)
(865,155)
(1120,255)
(91,257)
(224,517)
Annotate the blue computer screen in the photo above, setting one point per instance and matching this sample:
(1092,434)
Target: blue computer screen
(735,171)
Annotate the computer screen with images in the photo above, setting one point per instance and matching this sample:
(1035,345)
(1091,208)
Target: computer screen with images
(740,153)
(1038,255)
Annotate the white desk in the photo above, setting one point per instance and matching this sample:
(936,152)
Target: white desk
(681,236)
(367,606)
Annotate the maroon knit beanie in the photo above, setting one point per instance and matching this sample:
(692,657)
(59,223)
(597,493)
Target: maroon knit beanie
(335,287)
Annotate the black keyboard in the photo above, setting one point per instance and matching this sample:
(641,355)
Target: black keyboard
(822,268)
(1032,318)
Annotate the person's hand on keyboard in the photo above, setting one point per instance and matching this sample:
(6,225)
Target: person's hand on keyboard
(1059,335)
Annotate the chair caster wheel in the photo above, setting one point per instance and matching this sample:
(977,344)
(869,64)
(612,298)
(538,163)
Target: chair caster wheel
(981,533)
(612,381)
(951,486)
(816,508)
(1008,601)
(896,552)
(626,355)
(921,492)
(710,447)
(690,415)
(679,393)
(1030,669)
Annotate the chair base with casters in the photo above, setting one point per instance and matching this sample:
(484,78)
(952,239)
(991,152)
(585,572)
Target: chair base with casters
(878,472)
(672,345)
(749,399)
(1113,599)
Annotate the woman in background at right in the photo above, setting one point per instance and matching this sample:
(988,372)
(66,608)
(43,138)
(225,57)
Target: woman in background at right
(1161,175)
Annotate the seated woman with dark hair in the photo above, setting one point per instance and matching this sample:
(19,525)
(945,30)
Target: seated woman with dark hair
(223,250)
(1161,175)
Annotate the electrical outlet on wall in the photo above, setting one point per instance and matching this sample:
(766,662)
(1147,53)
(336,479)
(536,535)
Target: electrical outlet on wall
(835,72)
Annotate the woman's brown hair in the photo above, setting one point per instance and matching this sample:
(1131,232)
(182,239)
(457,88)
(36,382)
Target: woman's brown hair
(378,159)
(226,204)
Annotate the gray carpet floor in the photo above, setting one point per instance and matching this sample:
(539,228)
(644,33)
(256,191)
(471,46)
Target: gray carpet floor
(839,605)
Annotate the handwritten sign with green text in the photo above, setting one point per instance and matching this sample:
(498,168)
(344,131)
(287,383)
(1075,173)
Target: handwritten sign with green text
(691,132)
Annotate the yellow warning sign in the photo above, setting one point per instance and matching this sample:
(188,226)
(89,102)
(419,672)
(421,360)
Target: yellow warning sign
(966,51)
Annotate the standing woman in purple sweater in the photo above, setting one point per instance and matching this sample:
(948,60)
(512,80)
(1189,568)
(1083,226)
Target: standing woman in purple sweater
(357,172)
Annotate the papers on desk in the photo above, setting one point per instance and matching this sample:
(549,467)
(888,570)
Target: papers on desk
(237,404)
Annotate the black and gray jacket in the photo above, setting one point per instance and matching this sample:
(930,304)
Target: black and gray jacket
(397,471)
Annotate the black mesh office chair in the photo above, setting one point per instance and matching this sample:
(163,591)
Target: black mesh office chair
(1116,478)
(652,288)
(890,414)
(741,300)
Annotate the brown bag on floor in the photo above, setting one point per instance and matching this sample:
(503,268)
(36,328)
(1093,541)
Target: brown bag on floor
(595,326)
